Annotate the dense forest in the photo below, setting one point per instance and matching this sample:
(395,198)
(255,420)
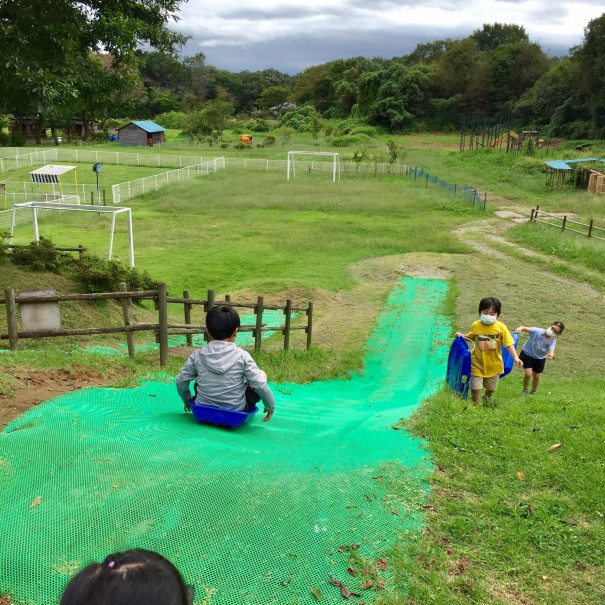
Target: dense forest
(55,72)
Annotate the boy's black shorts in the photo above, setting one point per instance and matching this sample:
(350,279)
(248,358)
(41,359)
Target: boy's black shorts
(531,363)
(252,398)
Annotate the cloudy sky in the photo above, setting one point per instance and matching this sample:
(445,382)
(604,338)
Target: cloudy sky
(291,35)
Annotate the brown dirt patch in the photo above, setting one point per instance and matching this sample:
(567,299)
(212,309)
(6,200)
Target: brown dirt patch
(30,389)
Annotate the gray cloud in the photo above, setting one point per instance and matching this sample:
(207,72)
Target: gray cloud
(241,35)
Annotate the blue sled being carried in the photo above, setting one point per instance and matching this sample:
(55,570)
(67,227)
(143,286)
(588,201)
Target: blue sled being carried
(458,375)
(220,416)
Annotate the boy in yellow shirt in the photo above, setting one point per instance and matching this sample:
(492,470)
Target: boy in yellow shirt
(489,336)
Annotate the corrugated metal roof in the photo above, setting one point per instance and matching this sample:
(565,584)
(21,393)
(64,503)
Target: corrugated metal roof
(564,164)
(146,125)
(149,126)
(49,173)
(558,165)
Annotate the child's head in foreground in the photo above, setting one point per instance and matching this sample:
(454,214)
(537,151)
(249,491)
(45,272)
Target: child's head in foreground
(222,321)
(489,309)
(133,577)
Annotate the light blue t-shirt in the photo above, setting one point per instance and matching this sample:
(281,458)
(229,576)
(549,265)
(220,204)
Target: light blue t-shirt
(537,346)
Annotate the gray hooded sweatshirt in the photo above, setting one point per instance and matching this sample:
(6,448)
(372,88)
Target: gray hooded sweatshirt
(219,368)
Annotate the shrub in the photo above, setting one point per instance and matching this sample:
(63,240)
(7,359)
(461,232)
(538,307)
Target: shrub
(346,141)
(17,139)
(269,140)
(260,125)
(5,139)
(225,145)
(171,119)
(101,136)
(370,131)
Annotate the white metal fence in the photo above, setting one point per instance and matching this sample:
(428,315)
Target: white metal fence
(125,191)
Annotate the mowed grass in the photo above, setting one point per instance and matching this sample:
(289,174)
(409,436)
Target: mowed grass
(110,175)
(234,231)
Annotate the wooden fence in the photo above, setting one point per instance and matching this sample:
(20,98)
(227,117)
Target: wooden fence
(163,327)
(565,222)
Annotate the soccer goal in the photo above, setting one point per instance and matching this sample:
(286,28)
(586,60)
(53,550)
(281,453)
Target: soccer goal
(62,207)
(335,162)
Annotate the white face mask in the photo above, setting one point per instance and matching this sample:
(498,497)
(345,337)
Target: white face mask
(549,333)
(488,320)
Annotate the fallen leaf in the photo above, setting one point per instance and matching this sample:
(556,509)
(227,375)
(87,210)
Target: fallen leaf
(443,541)
(449,551)
(555,447)
(520,475)
(530,510)
(36,502)
(382,563)
(377,477)
(367,584)
(342,548)
(344,591)
(465,563)
(379,586)
(367,497)
(354,547)
(545,577)
(350,571)
(500,542)
(316,593)
(581,565)
(394,512)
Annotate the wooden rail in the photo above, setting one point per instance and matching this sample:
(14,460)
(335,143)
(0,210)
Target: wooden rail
(163,327)
(565,222)
(80,249)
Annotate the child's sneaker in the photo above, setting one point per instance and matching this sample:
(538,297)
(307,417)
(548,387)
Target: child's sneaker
(524,392)
(532,392)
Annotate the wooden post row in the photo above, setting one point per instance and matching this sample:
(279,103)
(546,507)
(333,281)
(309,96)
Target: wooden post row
(286,330)
(309,329)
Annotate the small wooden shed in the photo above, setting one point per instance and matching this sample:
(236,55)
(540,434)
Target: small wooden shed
(140,134)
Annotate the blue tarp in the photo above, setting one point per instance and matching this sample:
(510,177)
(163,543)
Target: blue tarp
(564,164)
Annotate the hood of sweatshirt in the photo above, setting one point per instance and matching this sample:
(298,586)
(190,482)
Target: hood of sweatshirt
(219,356)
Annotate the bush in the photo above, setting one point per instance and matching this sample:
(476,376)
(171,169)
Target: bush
(299,119)
(171,119)
(269,140)
(5,139)
(103,275)
(346,141)
(102,136)
(260,125)
(370,131)
(17,139)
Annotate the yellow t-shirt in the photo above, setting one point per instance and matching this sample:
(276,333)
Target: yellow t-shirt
(486,359)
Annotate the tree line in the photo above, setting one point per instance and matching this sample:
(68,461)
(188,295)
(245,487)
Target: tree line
(84,59)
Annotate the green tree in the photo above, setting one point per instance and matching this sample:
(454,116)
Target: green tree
(493,35)
(44,46)
(274,97)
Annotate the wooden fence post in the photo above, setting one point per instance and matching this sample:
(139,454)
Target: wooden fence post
(125,302)
(564,221)
(590,228)
(11,317)
(104,199)
(80,251)
(258,332)
(187,309)
(309,329)
(163,323)
(209,301)
(286,330)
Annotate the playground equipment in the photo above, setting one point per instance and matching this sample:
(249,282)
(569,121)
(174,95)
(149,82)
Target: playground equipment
(335,159)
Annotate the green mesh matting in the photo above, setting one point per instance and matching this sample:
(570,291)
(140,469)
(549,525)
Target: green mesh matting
(256,515)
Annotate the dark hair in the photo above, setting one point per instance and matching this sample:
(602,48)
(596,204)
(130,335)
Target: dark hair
(489,302)
(221,321)
(559,325)
(133,577)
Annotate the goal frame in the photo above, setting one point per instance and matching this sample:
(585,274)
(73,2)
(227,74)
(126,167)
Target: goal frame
(335,156)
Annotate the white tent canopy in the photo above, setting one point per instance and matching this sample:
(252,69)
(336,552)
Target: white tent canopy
(49,173)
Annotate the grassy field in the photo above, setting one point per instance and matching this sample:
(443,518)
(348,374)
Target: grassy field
(507,520)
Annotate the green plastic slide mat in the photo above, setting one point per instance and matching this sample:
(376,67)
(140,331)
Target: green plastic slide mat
(268,513)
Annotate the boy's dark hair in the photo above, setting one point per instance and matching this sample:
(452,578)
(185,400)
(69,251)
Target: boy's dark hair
(133,577)
(489,302)
(559,325)
(221,321)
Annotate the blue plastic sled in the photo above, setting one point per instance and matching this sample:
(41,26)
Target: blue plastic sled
(458,375)
(220,416)
(509,362)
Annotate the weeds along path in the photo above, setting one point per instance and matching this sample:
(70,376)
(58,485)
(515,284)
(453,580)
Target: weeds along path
(257,515)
